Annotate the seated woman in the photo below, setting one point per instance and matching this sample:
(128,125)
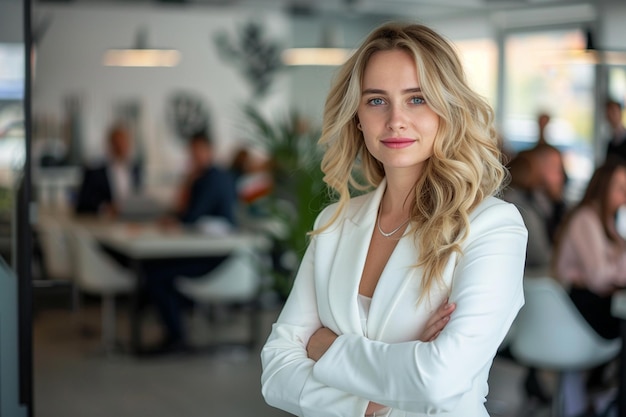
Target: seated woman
(590,255)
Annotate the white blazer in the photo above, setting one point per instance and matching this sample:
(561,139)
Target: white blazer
(446,377)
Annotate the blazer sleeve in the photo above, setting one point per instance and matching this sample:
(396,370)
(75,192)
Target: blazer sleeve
(432,377)
(287,378)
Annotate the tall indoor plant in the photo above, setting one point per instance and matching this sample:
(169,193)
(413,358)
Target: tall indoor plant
(299,191)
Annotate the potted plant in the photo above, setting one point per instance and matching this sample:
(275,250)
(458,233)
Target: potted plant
(299,192)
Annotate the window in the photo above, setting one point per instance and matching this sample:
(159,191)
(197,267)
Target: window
(617,87)
(479,58)
(539,78)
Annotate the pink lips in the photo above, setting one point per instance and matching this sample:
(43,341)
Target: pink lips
(398,143)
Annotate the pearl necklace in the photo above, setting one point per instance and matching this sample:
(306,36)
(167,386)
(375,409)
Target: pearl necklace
(394,230)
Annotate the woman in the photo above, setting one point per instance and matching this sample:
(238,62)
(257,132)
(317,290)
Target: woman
(590,256)
(590,260)
(368,328)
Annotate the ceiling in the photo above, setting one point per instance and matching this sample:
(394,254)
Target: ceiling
(426,9)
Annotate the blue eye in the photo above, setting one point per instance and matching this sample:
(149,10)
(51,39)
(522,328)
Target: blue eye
(376,101)
(417,100)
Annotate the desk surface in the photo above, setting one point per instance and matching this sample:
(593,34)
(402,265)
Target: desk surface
(150,242)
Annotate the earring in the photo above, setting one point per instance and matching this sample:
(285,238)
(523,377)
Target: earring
(359,126)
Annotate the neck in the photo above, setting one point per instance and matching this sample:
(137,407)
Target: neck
(399,195)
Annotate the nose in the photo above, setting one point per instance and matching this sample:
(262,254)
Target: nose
(398,118)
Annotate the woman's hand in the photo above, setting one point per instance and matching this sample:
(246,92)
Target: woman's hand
(437,322)
(319,343)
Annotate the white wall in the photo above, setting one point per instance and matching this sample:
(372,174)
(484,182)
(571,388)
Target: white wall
(69,63)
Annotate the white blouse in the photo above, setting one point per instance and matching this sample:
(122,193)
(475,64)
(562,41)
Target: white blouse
(364,310)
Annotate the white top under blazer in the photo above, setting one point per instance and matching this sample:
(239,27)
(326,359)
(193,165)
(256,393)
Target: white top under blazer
(385,363)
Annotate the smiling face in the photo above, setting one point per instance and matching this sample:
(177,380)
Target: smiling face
(398,126)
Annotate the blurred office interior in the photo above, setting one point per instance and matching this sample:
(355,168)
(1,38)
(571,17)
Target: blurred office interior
(561,57)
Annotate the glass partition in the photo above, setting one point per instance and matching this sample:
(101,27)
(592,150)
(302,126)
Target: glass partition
(15,232)
(12,141)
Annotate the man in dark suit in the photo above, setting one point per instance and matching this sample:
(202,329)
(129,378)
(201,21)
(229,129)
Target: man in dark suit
(104,186)
(208,191)
(617,142)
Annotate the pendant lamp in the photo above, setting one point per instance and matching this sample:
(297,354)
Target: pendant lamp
(140,55)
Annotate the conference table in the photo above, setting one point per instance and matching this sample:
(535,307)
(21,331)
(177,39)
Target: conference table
(618,309)
(140,243)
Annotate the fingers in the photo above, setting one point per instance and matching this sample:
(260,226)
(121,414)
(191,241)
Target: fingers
(437,322)
(445,310)
(432,331)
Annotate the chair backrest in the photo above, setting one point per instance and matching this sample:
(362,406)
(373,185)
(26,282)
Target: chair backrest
(236,279)
(550,332)
(95,271)
(57,260)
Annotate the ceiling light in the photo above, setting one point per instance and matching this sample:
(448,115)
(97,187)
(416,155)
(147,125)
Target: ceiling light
(328,53)
(141,56)
(315,56)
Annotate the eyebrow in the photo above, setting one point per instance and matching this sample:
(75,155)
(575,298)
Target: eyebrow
(378,91)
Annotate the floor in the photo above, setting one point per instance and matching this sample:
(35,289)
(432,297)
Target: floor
(74,378)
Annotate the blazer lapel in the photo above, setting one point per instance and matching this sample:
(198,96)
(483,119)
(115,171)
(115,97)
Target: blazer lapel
(349,260)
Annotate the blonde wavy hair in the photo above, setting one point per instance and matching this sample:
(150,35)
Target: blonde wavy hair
(465,167)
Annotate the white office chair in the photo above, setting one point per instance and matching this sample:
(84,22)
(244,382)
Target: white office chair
(97,274)
(235,281)
(551,334)
(56,257)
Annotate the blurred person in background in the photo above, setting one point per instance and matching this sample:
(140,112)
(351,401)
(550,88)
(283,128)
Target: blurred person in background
(536,189)
(253,175)
(207,190)
(543,119)
(207,195)
(106,185)
(590,260)
(616,146)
